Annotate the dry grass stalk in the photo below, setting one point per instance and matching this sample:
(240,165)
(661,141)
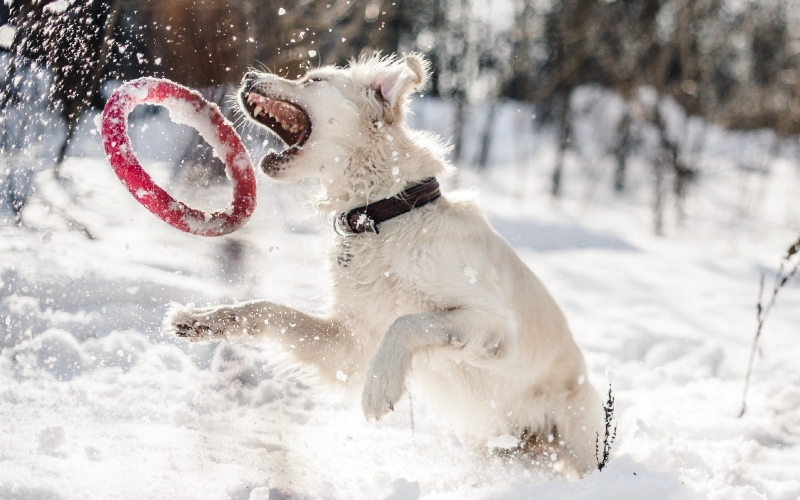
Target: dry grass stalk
(609,437)
(788,267)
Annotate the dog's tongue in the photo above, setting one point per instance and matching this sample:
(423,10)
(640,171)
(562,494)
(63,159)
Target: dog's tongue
(287,113)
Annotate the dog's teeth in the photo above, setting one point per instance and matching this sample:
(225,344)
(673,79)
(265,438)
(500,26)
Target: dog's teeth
(285,126)
(257,111)
(295,128)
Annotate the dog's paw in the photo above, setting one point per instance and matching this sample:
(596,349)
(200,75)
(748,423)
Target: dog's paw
(199,324)
(384,385)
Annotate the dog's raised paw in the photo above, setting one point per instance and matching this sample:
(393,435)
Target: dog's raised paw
(188,322)
(375,410)
(382,389)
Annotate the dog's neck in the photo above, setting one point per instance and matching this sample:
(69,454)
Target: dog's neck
(366,218)
(383,170)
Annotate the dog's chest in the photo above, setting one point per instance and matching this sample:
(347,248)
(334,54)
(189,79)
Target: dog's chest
(372,272)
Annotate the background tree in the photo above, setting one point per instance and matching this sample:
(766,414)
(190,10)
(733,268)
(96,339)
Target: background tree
(728,63)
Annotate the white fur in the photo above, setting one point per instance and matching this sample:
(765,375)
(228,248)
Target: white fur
(438,296)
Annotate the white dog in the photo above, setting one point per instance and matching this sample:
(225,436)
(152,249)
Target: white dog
(432,292)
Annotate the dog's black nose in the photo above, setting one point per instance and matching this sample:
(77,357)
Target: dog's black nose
(249,77)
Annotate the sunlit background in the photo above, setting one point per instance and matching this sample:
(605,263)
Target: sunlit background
(643,97)
(642,157)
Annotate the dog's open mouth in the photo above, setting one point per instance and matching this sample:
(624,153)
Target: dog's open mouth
(287,120)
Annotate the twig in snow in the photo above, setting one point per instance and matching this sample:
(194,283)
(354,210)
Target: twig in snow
(71,223)
(610,436)
(411,413)
(785,272)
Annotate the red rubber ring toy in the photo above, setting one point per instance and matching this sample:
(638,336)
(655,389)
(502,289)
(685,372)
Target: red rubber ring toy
(189,107)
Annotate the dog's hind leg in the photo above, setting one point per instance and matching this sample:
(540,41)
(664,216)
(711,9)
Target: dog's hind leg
(319,341)
(479,334)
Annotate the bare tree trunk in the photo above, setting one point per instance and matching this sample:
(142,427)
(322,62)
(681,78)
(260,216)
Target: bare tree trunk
(686,169)
(563,142)
(74,116)
(486,139)
(522,153)
(658,198)
(458,133)
(663,161)
(621,151)
(460,91)
(683,176)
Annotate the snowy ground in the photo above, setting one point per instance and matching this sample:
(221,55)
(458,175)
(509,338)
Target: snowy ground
(96,403)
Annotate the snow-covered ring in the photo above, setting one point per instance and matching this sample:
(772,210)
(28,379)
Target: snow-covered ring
(186,107)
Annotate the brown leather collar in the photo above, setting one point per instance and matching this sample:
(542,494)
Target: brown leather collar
(366,219)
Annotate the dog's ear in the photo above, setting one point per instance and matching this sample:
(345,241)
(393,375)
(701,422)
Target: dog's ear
(393,85)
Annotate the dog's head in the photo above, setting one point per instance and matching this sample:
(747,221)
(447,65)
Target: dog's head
(330,112)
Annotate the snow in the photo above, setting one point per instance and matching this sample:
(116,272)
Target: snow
(57,7)
(506,441)
(7,36)
(471,274)
(97,403)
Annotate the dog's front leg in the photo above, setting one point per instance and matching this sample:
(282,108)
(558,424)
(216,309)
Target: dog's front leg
(478,333)
(316,340)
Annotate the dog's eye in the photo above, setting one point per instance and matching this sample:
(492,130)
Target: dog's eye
(312,80)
